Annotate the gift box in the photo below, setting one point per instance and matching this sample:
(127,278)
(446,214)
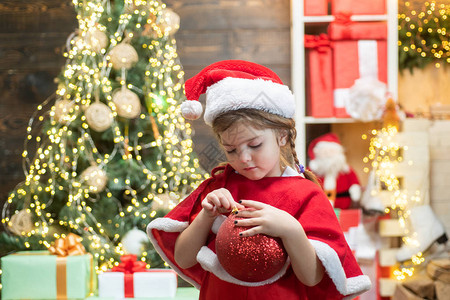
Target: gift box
(41,275)
(315,7)
(359,50)
(131,279)
(359,7)
(349,219)
(319,81)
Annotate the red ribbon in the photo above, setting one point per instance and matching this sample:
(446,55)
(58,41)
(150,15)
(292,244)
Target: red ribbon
(344,19)
(321,44)
(128,266)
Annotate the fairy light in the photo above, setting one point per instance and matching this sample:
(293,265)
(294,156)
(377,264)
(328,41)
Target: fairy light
(68,144)
(384,156)
(423,36)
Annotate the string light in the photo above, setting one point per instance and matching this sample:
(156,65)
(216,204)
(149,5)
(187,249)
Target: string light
(423,36)
(143,162)
(385,155)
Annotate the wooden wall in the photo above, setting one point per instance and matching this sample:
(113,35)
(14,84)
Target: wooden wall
(33,33)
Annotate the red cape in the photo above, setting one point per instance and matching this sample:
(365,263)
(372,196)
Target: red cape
(298,196)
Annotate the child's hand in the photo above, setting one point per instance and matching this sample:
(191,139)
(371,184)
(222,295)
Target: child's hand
(218,202)
(266,219)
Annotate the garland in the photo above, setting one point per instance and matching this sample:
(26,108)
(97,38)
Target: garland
(423,35)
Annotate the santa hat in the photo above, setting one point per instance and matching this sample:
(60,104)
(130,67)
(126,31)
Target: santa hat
(234,84)
(328,137)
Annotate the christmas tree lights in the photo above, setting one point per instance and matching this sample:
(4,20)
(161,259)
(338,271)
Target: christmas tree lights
(110,147)
(423,35)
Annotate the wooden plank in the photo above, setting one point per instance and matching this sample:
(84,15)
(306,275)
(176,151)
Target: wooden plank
(28,51)
(236,14)
(262,46)
(265,46)
(37,16)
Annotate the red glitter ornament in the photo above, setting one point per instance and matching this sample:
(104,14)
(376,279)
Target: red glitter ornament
(250,259)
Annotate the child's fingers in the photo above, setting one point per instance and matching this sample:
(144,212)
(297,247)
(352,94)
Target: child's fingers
(251,232)
(252,204)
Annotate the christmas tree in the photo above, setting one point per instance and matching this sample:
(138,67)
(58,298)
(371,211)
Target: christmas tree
(109,151)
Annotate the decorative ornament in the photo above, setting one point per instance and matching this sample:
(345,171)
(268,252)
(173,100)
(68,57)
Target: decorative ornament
(97,39)
(250,259)
(70,245)
(95,177)
(127,103)
(123,56)
(99,116)
(21,223)
(133,241)
(63,109)
(150,31)
(367,98)
(169,21)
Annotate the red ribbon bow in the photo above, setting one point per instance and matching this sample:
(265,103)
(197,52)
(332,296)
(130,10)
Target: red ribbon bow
(129,264)
(319,42)
(345,20)
(322,45)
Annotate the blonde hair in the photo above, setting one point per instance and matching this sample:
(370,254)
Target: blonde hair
(263,120)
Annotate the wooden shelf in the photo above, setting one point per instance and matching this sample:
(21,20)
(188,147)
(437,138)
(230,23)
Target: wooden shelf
(359,18)
(299,23)
(312,120)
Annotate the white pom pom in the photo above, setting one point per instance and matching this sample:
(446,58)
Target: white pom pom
(191,109)
(367,98)
(133,241)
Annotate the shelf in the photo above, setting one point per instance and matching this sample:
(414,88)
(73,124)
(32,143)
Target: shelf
(301,25)
(328,19)
(312,120)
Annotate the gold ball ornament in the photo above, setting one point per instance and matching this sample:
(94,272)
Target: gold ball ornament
(21,223)
(127,103)
(123,56)
(97,39)
(95,177)
(63,109)
(99,116)
(169,21)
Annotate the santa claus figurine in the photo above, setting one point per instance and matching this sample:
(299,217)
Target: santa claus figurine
(328,162)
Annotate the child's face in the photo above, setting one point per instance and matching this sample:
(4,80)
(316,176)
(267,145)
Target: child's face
(253,153)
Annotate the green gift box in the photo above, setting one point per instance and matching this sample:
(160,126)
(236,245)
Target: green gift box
(41,275)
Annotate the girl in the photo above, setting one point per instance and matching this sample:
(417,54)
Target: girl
(250,111)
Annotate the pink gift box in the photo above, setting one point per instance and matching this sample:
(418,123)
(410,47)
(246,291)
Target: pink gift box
(319,79)
(359,50)
(359,7)
(315,7)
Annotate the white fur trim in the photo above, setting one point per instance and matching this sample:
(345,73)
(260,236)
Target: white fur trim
(191,109)
(350,287)
(168,225)
(329,182)
(217,223)
(235,93)
(355,192)
(209,261)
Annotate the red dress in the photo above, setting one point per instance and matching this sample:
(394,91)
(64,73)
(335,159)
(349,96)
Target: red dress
(298,196)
